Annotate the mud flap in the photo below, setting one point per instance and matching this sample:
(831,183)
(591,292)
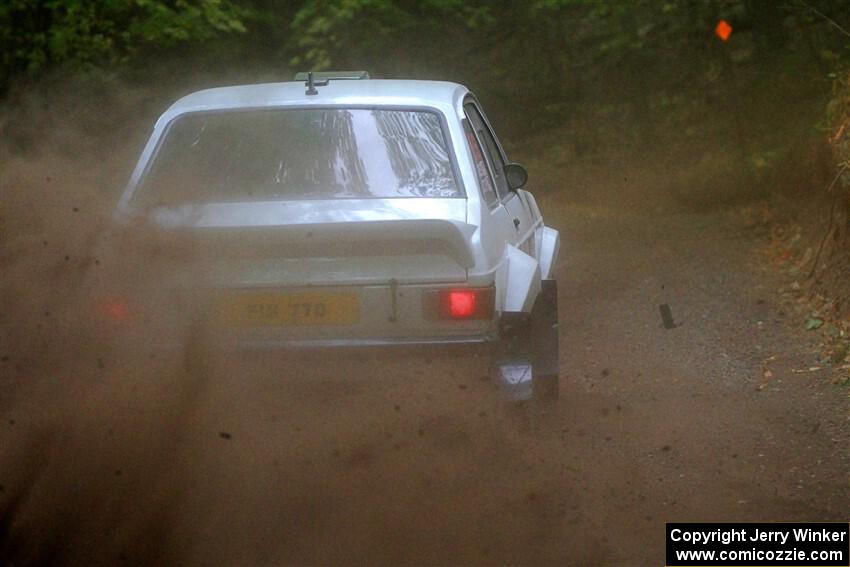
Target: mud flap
(545,343)
(526,365)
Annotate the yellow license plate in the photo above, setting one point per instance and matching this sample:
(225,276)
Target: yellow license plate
(291,309)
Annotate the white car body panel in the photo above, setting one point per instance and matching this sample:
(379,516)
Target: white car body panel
(521,276)
(548,247)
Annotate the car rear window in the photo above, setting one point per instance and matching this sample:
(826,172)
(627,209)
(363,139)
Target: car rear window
(300,154)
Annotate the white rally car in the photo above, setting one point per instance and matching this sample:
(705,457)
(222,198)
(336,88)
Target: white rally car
(339,210)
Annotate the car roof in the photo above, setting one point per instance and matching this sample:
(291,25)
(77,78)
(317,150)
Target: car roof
(365,92)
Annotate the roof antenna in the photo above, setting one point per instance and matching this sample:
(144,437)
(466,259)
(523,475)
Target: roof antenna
(311,89)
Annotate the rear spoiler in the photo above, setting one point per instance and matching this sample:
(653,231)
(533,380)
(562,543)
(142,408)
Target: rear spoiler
(454,234)
(309,239)
(411,234)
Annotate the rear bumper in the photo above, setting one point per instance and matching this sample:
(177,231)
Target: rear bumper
(168,321)
(175,342)
(271,344)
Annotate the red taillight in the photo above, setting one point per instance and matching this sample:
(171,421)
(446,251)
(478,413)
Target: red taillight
(461,304)
(466,303)
(115,309)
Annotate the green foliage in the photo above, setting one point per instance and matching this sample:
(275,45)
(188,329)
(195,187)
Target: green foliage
(838,121)
(37,34)
(324,31)
(641,62)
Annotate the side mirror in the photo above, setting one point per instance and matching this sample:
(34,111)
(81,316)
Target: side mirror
(516,176)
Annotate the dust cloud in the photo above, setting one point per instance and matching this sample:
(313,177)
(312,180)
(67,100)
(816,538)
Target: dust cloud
(115,452)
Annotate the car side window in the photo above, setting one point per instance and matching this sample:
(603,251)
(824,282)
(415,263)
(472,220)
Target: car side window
(485,180)
(482,132)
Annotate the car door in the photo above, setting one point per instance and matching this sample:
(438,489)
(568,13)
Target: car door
(514,204)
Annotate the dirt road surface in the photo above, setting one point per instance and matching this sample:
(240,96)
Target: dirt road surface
(412,458)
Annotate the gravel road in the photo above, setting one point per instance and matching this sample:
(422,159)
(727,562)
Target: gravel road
(411,458)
